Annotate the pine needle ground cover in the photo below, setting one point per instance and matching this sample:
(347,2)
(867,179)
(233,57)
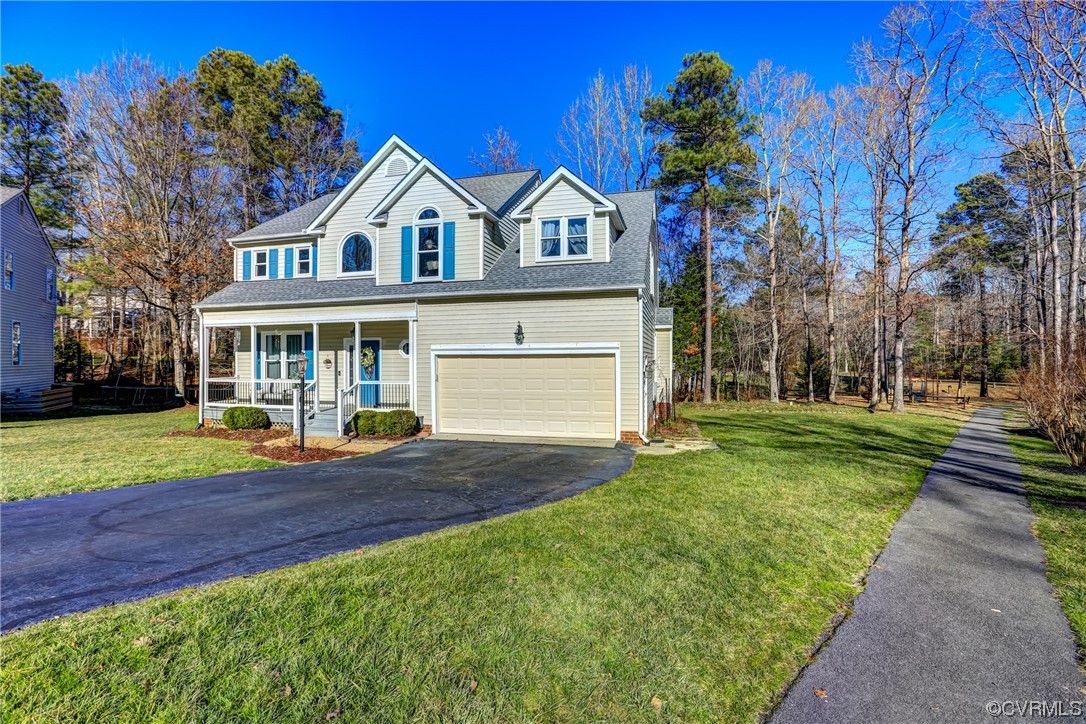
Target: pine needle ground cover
(87,449)
(692,587)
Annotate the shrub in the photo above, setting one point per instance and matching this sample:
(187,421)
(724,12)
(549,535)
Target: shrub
(394,423)
(1055,403)
(399,423)
(246,418)
(365,422)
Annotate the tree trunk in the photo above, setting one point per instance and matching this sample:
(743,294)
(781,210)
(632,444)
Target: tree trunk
(707,249)
(774,325)
(810,350)
(984,347)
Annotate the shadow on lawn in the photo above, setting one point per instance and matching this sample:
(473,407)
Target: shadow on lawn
(80,411)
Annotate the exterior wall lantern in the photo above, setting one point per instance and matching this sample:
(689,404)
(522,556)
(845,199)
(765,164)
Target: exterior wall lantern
(518,336)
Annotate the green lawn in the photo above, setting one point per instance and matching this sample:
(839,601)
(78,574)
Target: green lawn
(692,587)
(1057,495)
(89,449)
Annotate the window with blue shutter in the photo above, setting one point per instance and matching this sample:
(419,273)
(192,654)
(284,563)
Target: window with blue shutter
(246,265)
(273,263)
(288,262)
(259,361)
(311,364)
(406,255)
(448,252)
(313,256)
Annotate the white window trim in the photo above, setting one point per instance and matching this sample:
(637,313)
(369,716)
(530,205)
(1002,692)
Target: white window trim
(16,349)
(373,256)
(563,230)
(267,263)
(297,261)
(282,353)
(439,222)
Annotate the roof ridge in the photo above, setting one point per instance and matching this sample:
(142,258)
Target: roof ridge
(503,173)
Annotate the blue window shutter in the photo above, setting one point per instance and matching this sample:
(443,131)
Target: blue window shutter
(406,272)
(273,264)
(288,262)
(448,252)
(256,346)
(311,365)
(313,260)
(246,265)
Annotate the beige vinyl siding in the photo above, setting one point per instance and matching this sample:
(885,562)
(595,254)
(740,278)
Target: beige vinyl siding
(508,230)
(304,315)
(648,342)
(428,190)
(27,303)
(564,200)
(351,218)
(555,319)
(491,248)
(664,357)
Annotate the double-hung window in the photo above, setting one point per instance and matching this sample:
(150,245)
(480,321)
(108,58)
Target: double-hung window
(428,245)
(564,238)
(16,343)
(260,264)
(303,265)
(276,363)
(9,270)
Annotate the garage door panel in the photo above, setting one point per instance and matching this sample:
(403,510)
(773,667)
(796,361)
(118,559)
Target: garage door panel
(534,395)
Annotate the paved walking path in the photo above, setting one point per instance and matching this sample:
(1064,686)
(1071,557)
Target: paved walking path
(956,614)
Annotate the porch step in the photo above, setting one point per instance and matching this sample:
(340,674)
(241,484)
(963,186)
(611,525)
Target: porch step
(323,424)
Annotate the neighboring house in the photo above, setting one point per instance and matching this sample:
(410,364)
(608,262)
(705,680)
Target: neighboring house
(28,300)
(499,305)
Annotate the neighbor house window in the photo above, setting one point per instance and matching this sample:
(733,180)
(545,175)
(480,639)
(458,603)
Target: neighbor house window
(356,255)
(428,244)
(16,343)
(9,270)
(51,285)
(260,264)
(563,238)
(303,264)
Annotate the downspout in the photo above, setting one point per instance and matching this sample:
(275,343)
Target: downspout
(641,367)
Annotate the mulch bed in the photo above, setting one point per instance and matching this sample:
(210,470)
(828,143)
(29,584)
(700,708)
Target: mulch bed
(222,433)
(290,454)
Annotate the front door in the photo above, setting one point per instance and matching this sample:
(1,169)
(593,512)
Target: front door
(369,370)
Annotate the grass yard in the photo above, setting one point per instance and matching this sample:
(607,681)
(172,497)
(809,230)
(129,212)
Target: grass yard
(90,450)
(1057,495)
(692,587)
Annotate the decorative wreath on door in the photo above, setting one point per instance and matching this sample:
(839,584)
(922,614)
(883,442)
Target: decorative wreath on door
(367,359)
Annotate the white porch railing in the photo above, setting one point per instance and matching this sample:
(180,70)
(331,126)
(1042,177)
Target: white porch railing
(309,406)
(231,391)
(367,395)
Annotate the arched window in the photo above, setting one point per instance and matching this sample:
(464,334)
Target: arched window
(356,255)
(428,244)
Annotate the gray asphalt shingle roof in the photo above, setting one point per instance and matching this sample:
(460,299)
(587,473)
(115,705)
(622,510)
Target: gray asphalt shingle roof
(292,222)
(665,316)
(495,190)
(626,270)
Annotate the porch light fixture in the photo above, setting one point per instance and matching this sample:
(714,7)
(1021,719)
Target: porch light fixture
(518,336)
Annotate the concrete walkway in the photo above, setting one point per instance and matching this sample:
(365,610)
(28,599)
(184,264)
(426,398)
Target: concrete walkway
(956,614)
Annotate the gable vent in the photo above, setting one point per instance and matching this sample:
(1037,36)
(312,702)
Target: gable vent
(396,167)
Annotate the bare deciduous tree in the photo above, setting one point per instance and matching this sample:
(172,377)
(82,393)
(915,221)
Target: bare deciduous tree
(501,155)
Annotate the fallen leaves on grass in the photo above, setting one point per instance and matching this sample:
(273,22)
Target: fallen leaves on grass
(141,641)
(473,685)
(657,705)
(222,433)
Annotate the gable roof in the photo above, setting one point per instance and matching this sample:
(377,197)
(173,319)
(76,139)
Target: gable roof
(626,271)
(380,211)
(665,317)
(293,223)
(393,143)
(497,190)
(603,203)
(10,193)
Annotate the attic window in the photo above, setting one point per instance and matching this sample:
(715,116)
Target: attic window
(396,167)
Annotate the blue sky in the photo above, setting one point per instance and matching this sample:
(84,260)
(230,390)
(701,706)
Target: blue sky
(439,75)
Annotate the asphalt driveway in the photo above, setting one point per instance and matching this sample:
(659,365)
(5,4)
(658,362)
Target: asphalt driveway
(77,552)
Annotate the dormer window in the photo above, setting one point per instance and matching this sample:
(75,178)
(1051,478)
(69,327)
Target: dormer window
(356,256)
(260,264)
(428,244)
(564,238)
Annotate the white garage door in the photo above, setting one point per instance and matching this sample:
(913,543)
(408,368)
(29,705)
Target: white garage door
(528,395)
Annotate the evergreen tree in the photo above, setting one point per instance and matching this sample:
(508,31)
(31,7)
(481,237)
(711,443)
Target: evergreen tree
(32,116)
(703,130)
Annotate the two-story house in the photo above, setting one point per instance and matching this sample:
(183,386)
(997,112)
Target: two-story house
(506,305)
(28,304)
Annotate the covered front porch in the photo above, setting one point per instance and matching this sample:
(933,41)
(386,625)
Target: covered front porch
(364,362)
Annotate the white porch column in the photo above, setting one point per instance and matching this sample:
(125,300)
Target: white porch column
(412,363)
(316,365)
(203,348)
(253,361)
(356,372)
